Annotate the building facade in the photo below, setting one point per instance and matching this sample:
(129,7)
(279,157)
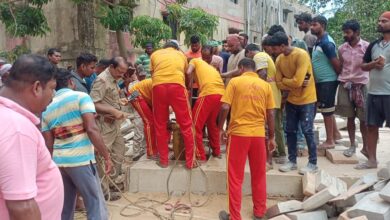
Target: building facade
(74,29)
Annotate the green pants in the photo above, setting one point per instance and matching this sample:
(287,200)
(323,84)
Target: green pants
(279,133)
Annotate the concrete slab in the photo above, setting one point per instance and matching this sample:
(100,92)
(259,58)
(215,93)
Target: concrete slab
(320,198)
(146,176)
(380,185)
(283,208)
(372,206)
(351,191)
(329,209)
(360,218)
(337,157)
(384,173)
(317,215)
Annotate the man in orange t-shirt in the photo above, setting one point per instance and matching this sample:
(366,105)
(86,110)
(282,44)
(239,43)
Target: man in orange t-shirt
(251,101)
(143,105)
(207,105)
(168,67)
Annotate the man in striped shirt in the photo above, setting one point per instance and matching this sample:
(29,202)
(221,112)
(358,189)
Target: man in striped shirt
(71,133)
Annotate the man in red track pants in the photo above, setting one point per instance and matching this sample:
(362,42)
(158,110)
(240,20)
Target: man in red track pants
(168,67)
(207,106)
(143,105)
(251,102)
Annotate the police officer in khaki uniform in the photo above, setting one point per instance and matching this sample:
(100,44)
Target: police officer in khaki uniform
(105,95)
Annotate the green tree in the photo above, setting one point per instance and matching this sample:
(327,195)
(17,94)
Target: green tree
(193,21)
(366,12)
(317,5)
(24,17)
(147,29)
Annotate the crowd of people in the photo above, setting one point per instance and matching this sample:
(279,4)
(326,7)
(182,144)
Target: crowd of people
(57,124)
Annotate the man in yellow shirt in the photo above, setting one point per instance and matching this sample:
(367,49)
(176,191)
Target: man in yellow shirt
(265,67)
(207,105)
(168,67)
(143,105)
(295,74)
(251,102)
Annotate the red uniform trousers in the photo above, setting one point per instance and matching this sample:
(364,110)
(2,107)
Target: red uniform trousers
(239,148)
(175,95)
(146,113)
(206,111)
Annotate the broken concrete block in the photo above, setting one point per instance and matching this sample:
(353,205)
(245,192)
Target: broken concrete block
(384,173)
(380,185)
(301,215)
(385,193)
(372,206)
(284,207)
(343,216)
(329,209)
(351,201)
(320,198)
(309,184)
(369,178)
(352,191)
(337,157)
(324,180)
(280,217)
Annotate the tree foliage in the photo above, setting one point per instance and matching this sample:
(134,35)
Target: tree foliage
(366,12)
(22,18)
(317,5)
(116,16)
(147,29)
(193,21)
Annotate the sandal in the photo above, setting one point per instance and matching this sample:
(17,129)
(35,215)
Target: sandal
(350,151)
(365,165)
(326,146)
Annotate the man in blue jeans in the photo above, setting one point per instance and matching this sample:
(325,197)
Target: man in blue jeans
(294,74)
(71,134)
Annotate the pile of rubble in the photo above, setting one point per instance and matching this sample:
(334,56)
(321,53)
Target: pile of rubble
(327,197)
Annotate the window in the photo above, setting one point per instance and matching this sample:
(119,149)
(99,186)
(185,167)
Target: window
(234,1)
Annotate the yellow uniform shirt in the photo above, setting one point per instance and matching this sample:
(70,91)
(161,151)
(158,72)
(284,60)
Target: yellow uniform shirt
(264,61)
(249,98)
(168,66)
(145,89)
(208,78)
(290,74)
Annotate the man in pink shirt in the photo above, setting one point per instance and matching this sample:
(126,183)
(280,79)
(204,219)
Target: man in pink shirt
(30,183)
(210,58)
(353,80)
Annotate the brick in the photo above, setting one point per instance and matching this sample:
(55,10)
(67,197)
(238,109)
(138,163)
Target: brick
(351,201)
(284,207)
(321,152)
(324,180)
(372,206)
(343,216)
(301,215)
(309,184)
(320,198)
(337,157)
(280,217)
(385,193)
